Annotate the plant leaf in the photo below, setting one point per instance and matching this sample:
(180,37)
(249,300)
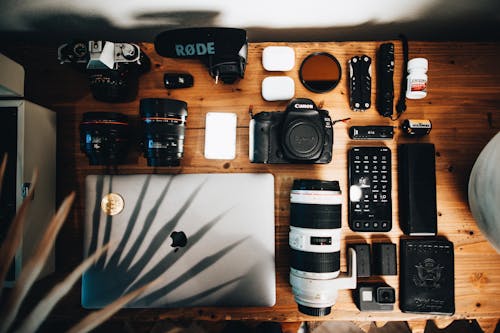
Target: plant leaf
(34,265)
(98,317)
(14,235)
(2,169)
(38,315)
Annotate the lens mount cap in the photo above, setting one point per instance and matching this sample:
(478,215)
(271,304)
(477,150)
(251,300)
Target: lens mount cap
(316,312)
(303,140)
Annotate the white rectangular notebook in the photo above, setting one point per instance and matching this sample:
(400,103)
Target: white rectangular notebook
(207,238)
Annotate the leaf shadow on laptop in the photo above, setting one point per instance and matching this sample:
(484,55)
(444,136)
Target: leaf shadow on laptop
(120,273)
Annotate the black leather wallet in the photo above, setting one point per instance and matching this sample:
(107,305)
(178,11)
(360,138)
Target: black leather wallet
(427,276)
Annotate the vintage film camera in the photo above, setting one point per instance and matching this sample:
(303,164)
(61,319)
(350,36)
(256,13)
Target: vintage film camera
(301,134)
(113,69)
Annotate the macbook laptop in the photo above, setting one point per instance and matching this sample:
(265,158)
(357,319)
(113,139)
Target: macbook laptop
(204,239)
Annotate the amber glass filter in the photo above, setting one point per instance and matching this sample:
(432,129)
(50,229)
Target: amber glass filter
(320,72)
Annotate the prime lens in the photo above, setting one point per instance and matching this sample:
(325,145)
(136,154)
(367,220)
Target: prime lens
(315,224)
(164,125)
(104,137)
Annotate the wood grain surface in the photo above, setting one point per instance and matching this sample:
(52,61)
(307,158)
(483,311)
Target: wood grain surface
(462,103)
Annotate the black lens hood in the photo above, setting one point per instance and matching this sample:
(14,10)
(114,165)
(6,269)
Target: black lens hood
(315,185)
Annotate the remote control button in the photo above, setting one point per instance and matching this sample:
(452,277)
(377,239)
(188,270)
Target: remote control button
(355,193)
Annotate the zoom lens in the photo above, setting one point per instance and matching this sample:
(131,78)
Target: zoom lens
(315,223)
(164,127)
(104,137)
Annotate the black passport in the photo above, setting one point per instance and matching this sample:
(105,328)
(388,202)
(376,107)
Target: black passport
(427,276)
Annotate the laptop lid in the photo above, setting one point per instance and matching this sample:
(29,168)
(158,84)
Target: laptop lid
(207,239)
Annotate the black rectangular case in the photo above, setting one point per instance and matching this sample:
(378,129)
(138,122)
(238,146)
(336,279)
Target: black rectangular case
(417,189)
(427,276)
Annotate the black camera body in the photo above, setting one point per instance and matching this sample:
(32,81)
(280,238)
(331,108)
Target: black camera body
(113,69)
(301,134)
(374,297)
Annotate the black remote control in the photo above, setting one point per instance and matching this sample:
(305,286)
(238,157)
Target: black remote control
(371,132)
(370,204)
(360,83)
(385,83)
(178,80)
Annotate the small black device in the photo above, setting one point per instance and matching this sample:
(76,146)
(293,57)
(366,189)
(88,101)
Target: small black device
(370,203)
(427,276)
(113,69)
(223,50)
(178,80)
(164,126)
(417,189)
(374,297)
(385,83)
(360,83)
(104,137)
(416,127)
(301,134)
(371,132)
(384,259)
(363,259)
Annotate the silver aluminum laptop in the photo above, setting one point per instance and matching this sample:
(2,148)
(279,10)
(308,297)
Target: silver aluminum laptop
(207,239)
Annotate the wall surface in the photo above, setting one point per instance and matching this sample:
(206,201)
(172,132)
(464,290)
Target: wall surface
(320,20)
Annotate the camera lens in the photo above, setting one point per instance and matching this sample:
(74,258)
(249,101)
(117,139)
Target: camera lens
(117,85)
(164,127)
(104,137)
(315,222)
(385,295)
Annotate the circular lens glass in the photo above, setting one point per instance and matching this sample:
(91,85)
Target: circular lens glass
(104,137)
(320,72)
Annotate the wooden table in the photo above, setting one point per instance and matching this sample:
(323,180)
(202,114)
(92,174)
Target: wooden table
(462,103)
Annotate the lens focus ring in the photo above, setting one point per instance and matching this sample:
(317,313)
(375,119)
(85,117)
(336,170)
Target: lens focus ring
(315,262)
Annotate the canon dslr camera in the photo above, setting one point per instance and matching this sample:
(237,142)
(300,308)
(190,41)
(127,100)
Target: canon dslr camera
(113,69)
(301,134)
